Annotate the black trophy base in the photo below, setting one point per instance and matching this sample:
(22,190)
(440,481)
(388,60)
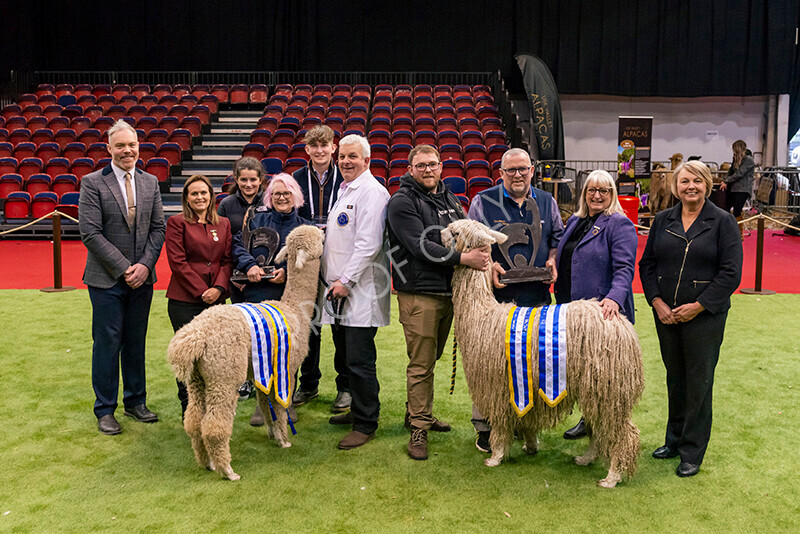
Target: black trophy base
(241,278)
(526,274)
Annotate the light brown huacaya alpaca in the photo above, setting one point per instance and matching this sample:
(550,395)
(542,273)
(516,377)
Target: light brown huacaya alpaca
(604,366)
(211,355)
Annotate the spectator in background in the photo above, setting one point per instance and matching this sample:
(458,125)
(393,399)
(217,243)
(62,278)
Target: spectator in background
(738,184)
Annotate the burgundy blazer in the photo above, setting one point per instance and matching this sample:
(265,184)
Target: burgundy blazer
(199,256)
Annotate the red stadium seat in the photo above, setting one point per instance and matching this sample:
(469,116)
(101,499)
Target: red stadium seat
(379,167)
(158,167)
(146,151)
(8,165)
(73,151)
(29,166)
(17,206)
(238,94)
(36,183)
(43,203)
(65,183)
(477,184)
(81,167)
(9,183)
(171,152)
(182,137)
(24,150)
(57,166)
(193,125)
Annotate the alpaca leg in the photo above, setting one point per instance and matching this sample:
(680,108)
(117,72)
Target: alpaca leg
(217,427)
(192,421)
(277,428)
(531,445)
(614,475)
(590,455)
(500,440)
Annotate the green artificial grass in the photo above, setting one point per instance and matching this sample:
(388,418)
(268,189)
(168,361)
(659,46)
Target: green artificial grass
(60,475)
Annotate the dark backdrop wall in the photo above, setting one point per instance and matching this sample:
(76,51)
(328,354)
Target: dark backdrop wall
(617,47)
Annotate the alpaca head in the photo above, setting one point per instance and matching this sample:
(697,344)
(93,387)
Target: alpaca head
(675,160)
(304,243)
(466,234)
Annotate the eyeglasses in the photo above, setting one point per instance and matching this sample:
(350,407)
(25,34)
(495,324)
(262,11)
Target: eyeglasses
(282,194)
(421,167)
(602,190)
(523,171)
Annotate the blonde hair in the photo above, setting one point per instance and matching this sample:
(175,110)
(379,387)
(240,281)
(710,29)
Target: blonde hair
(188,213)
(601,179)
(695,168)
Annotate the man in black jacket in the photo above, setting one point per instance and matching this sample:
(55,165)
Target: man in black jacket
(422,269)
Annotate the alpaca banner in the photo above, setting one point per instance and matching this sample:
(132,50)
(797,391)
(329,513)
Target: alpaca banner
(548,340)
(633,152)
(271,345)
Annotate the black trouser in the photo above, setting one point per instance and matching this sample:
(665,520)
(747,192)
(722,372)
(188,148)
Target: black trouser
(357,345)
(119,328)
(309,369)
(736,201)
(181,313)
(690,352)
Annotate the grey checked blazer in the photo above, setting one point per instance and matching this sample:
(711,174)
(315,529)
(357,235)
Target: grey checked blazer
(104,227)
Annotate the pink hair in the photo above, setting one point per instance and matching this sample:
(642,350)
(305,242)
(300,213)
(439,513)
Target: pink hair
(290,184)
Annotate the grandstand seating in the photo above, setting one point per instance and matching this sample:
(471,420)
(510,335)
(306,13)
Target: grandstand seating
(56,134)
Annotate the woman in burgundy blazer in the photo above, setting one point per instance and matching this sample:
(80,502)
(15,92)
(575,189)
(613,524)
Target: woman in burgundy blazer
(198,244)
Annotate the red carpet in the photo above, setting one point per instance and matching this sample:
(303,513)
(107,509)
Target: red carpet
(29,264)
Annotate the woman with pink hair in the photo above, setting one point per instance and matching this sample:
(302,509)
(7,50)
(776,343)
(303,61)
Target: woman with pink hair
(278,212)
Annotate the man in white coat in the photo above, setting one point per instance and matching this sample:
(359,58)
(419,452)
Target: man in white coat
(355,268)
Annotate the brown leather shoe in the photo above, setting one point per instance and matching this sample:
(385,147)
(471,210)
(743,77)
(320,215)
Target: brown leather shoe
(418,445)
(354,440)
(342,419)
(108,425)
(258,417)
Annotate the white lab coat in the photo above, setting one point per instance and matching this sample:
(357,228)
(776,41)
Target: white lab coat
(355,250)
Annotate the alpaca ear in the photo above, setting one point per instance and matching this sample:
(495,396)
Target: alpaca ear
(447,237)
(281,257)
(499,237)
(302,258)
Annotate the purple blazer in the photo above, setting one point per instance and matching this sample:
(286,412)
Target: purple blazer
(603,262)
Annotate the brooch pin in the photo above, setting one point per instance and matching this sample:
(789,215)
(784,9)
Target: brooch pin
(595,230)
(214,235)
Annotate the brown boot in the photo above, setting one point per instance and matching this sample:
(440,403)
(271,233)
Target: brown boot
(258,417)
(418,444)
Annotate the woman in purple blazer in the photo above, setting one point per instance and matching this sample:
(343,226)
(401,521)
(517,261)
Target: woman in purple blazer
(596,256)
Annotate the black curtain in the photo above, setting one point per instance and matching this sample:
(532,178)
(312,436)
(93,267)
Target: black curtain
(669,48)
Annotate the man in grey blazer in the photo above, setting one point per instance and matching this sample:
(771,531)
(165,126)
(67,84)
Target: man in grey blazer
(122,226)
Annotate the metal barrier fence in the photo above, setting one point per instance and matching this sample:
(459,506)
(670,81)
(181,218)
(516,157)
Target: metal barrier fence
(778,188)
(264,77)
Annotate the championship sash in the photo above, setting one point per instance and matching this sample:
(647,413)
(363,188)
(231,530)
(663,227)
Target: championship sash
(553,354)
(271,345)
(519,336)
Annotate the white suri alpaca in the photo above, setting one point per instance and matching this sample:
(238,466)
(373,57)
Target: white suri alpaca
(211,355)
(604,366)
